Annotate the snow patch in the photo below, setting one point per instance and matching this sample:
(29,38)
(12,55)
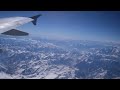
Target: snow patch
(51,76)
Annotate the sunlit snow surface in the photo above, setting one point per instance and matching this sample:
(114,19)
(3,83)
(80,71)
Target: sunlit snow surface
(38,58)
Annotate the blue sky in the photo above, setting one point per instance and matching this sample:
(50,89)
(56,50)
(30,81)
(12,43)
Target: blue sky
(83,25)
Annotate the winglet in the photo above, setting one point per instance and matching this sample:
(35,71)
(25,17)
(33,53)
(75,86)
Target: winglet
(35,19)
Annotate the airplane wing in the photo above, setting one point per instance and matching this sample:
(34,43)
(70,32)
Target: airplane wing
(8,25)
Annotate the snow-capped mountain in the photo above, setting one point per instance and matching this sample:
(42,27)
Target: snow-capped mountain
(38,58)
